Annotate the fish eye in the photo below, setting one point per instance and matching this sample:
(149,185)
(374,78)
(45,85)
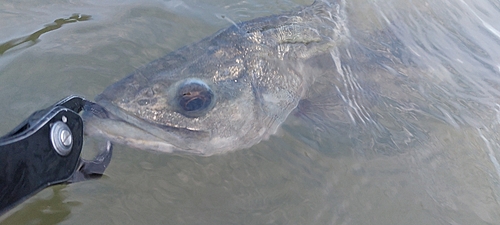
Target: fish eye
(194,97)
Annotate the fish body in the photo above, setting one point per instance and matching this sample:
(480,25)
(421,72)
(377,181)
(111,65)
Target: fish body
(228,91)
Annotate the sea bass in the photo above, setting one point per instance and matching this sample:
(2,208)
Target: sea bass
(229,91)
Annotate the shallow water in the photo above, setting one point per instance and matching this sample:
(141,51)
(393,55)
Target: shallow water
(420,147)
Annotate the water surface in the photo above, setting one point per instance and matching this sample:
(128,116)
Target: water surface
(421,148)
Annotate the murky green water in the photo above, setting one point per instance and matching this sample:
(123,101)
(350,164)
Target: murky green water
(438,165)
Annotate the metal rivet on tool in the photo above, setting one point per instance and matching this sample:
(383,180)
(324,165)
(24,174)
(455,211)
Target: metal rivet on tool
(66,138)
(61,138)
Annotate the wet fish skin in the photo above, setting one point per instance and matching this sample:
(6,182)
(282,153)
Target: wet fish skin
(229,91)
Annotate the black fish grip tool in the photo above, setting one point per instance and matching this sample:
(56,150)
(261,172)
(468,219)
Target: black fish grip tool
(45,150)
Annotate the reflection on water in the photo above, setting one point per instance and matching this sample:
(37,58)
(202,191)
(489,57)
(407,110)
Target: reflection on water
(409,134)
(33,38)
(48,207)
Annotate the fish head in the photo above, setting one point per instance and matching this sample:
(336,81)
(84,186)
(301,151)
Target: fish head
(212,97)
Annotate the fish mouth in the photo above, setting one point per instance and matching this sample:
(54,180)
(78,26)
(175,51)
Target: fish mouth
(109,121)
